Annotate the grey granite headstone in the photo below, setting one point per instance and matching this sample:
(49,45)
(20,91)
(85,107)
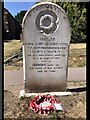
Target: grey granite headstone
(46,38)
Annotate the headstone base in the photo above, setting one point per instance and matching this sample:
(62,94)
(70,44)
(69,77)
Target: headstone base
(23,94)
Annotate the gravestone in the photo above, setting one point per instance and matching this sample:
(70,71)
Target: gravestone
(46,38)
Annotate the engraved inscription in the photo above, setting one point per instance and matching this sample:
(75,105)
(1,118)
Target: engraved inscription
(47,52)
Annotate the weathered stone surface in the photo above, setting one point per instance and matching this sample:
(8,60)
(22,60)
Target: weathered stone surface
(46,37)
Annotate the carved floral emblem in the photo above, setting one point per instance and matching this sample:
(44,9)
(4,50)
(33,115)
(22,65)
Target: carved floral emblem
(47,22)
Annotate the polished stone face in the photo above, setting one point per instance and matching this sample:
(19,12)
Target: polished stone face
(46,37)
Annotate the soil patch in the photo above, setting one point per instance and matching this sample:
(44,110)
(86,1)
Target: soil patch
(74,106)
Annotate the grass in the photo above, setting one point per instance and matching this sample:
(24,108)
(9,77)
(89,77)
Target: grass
(77,57)
(77,54)
(11,47)
(77,46)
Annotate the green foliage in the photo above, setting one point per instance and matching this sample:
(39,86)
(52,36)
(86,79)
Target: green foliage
(19,16)
(77,15)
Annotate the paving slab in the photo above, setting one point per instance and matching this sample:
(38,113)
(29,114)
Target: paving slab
(77,74)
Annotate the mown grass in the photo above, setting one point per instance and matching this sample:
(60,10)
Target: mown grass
(11,47)
(77,54)
(77,57)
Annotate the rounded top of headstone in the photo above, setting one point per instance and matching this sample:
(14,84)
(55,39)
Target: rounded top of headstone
(41,4)
(46,19)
